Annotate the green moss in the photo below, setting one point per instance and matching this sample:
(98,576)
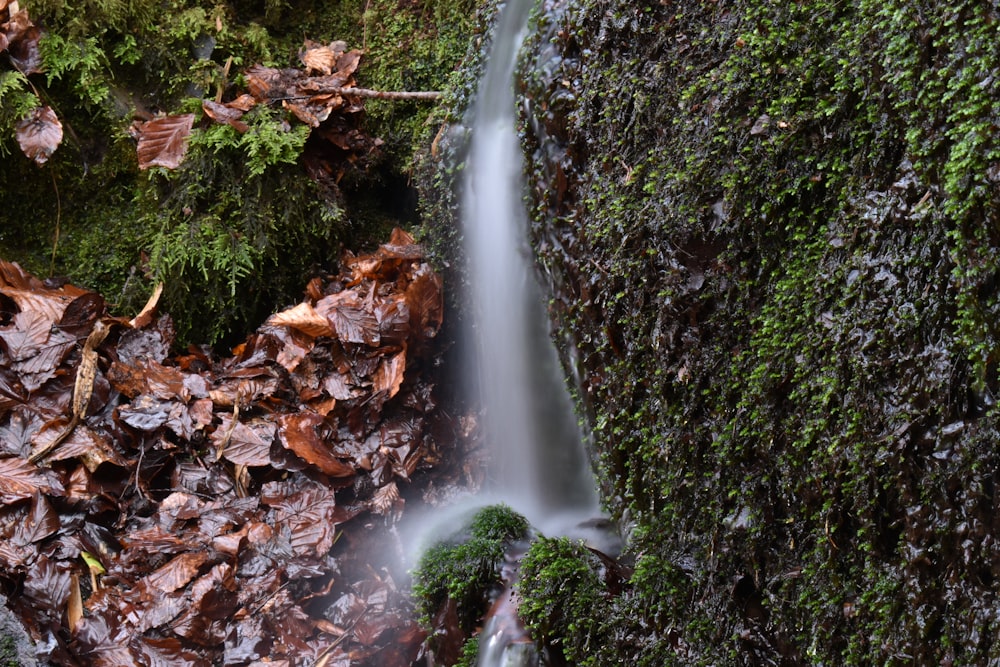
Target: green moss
(237,230)
(562,597)
(470,653)
(774,252)
(465,566)
(8,653)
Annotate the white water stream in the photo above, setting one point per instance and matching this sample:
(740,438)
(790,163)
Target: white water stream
(538,464)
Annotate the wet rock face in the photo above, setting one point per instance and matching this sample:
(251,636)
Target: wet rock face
(772,259)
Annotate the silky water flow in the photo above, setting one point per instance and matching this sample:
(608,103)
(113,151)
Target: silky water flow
(537,461)
(538,464)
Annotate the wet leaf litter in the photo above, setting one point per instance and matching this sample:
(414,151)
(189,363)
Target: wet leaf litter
(191,509)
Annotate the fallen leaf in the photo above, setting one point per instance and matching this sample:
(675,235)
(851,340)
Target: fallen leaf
(249,444)
(244,102)
(177,573)
(318,59)
(225,115)
(39,134)
(22,37)
(351,316)
(19,480)
(389,375)
(24,338)
(74,606)
(300,434)
(145,315)
(304,318)
(163,141)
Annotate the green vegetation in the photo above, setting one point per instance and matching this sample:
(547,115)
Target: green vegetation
(237,229)
(470,653)
(771,232)
(8,653)
(465,566)
(560,589)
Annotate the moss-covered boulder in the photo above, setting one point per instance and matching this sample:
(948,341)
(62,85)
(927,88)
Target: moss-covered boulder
(770,232)
(457,576)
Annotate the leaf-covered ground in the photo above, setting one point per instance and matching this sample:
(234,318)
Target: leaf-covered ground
(209,510)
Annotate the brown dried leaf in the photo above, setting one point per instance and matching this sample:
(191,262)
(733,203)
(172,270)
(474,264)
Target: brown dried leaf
(165,652)
(74,606)
(145,315)
(29,293)
(303,317)
(385,499)
(213,600)
(40,522)
(249,443)
(313,111)
(426,302)
(347,63)
(300,434)
(163,141)
(26,335)
(244,390)
(340,387)
(318,58)
(22,43)
(224,115)
(177,573)
(145,376)
(39,134)
(351,316)
(243,103)
(389,375)
(19,480)
(47,584)
(393,317)
(295,346)
(37,370)
(82,443)
(266,83)
(145,413)
(15,434)
(308,512)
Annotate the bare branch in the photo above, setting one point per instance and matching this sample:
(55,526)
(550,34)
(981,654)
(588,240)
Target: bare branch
(373,94)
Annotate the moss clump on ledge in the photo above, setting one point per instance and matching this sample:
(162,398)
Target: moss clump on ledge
(771,232)
(462,569)
(560,588)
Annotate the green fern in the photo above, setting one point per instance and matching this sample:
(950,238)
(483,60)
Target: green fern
(84,59)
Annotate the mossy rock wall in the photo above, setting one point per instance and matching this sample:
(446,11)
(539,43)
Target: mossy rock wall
(770,232)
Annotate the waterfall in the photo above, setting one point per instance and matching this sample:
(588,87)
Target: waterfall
(538,464)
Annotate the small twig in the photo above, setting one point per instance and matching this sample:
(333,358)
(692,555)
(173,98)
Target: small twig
(372,94)
(323,658)
(227,436)
(55,242)
(83,388)
(364,26)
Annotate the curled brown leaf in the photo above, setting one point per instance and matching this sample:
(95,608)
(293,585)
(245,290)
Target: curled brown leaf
(39,134)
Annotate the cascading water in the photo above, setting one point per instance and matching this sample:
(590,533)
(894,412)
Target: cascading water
(538,465)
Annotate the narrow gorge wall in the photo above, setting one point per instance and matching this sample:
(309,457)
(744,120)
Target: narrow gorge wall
(770,231)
